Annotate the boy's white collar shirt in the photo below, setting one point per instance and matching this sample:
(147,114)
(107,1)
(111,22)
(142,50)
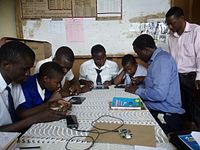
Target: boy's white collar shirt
(40,90)
(18,98)
(88,71)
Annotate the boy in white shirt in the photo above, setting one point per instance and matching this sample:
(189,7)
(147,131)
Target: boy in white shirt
(131,73)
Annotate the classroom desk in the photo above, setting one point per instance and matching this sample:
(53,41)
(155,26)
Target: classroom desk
(53,135)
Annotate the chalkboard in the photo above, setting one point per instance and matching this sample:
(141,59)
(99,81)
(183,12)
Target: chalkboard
(138,16)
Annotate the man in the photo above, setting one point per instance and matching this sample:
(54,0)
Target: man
(64,56)
(98,70)
(160,92)
(184,46)
(15,61)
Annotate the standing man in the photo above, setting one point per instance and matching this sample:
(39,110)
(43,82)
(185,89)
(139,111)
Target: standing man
(184,46)
(161,91)
(16,59)
(64,56)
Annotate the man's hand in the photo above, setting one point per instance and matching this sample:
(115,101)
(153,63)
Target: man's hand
(131,88)
(197,84)
(56,95)
(107,83)
(75,89)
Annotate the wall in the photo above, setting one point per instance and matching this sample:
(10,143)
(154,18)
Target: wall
(7,18)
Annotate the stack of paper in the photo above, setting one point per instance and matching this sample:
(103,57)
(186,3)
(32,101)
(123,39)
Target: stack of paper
(8,140)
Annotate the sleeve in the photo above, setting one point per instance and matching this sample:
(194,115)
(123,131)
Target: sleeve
(197,52)
(160,80)
(82,72)
(115,70)
(69,76)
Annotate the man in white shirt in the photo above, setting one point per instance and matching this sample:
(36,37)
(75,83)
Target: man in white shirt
(184,46)
(16,59)
(64,56)
(98,70)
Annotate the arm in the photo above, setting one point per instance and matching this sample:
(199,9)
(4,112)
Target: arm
(120,77)
(45,116)
(157,84)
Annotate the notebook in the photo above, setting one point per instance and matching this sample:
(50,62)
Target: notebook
(189,141)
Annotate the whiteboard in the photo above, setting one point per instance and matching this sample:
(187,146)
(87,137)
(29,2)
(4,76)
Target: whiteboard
(115,35)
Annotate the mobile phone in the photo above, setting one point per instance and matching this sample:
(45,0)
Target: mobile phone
(77,100)
(72,122)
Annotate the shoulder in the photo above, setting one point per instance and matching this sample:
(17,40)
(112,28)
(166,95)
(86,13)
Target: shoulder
(87,63)
(164,57)
(30,81)
(111,63)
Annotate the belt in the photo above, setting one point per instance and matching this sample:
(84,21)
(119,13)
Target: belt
(188,74)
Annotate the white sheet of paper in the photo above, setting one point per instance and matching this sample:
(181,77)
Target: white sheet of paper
(6,138)
(196,136)
(138,147)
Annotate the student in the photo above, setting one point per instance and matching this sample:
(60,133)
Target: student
(15,61)
(39,88)
(98,70)
(184,46)
(161,91)
(64,56)
(131,73)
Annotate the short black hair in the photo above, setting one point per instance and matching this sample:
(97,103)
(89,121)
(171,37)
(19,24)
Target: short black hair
(12,50)
(175,11)
(143,41)
(66,52)
(128,58)
(50,69)
(97,49)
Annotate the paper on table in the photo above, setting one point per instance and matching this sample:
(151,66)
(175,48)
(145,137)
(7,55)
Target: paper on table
(6,138)
(138,147)
(196,136)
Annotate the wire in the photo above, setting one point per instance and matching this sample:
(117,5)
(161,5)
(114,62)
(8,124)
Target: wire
(97,131)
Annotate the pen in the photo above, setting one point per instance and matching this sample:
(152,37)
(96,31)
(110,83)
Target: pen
(30,147)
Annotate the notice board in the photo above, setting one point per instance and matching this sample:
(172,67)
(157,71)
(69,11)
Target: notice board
(81,33)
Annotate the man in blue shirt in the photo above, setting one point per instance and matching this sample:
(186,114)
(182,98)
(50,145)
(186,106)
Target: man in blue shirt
(161,91)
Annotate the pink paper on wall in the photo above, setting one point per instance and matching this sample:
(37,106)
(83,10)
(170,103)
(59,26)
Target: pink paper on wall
(74,29)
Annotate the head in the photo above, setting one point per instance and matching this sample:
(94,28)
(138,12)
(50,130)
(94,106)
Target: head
(50,76)
(144,46)
(98,55)
(16,59)
(175,19)
(65,58)
(129,64)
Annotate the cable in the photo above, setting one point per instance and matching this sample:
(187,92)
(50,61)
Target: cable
(96,131)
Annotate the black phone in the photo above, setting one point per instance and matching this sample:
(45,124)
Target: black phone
(77,100)
(120,86)
(101,87)
(72,122)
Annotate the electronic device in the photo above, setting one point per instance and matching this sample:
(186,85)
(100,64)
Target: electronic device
(72,122)
(120,86)
(76,100)
(100,87)
(125,134)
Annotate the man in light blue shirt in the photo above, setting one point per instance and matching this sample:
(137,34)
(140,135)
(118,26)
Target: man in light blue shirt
(161,91)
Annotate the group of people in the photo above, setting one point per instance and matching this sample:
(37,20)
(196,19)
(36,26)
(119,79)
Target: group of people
(166,86)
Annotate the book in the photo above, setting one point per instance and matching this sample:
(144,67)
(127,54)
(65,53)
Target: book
(8,140)
(126,103)
(188,140)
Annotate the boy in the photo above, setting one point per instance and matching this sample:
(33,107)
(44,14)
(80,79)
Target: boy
(42,87)
(98,70)
(131,73)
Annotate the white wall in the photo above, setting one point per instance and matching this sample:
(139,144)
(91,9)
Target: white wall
(7,18)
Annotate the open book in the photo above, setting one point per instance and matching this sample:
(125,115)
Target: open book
(126,103)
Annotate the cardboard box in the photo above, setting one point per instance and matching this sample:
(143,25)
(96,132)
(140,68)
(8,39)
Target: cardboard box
(42,49)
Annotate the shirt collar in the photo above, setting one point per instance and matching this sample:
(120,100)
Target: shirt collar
(3,83)
(40,90)
(155,53)
(102,67)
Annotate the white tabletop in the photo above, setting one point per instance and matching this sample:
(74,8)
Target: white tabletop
(96,104)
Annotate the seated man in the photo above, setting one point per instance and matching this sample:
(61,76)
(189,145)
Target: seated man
(131,73)
(160,92)
(16,59)
(64,56)
(98,70)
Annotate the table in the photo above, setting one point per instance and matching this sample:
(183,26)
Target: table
(53,135)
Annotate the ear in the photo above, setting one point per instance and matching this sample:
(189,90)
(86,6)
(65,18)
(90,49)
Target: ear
(46,79)
(6,65)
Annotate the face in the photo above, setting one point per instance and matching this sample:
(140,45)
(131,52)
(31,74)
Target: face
(64,63)
(99,59)
(175,24)
(143,54)
(130,68)
(52,84)
(20,69)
